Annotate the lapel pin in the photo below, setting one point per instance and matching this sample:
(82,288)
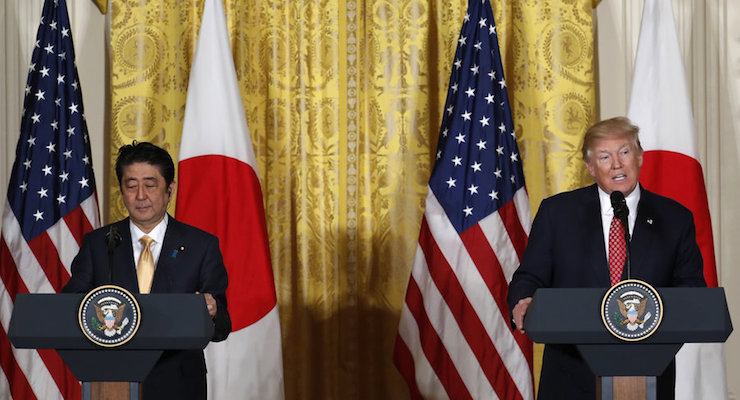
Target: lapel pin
(650,221)
(179,249)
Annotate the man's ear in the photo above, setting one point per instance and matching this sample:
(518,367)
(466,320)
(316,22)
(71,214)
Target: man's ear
(171,189)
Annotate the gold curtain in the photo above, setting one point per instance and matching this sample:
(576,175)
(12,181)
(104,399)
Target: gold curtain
(343,100)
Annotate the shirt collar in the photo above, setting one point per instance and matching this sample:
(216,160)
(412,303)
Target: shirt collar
(157,233)
(632,200)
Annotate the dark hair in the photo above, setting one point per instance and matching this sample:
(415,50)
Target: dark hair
(613,128)
(147,153)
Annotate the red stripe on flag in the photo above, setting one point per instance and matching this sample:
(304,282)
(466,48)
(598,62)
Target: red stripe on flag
(489,267)
(9,273)
(514,228)
(404,360)
(46,255)
(78,224)
(680,177)
(470,324)
(68,385)
(19,386)
(433,347)
(239,223)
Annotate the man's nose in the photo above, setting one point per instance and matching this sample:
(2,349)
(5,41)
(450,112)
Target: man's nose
(140,193)
(616,163)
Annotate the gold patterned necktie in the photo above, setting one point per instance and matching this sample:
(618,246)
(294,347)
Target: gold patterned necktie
(145,267)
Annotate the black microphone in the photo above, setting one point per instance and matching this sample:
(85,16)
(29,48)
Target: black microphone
(112,240)
(619,204)
(621,211)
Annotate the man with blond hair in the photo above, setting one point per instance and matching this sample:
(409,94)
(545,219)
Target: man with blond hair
(570,240)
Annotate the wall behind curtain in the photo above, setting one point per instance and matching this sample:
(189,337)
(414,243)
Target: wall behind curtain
(324,317)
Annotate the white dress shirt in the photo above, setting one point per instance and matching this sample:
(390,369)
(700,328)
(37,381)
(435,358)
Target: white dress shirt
(157,234)
(607,212)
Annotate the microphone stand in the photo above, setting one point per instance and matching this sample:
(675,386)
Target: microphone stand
(627,260)
(113,239)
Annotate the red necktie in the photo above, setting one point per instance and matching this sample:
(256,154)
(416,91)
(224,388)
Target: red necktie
(617,250)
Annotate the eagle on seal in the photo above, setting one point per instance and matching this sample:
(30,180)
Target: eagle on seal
(632,310)
(111,317)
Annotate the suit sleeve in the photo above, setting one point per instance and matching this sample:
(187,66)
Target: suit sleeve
(82,279)
(688,269)
(214,280)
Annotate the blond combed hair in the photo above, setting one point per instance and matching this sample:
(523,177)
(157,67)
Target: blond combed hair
(613,128)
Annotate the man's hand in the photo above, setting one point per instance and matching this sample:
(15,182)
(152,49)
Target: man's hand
(520,310)
(210,304)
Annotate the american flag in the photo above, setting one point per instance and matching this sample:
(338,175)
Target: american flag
(454,338)
(51,203)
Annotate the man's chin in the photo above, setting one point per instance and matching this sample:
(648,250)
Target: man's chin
(625,189)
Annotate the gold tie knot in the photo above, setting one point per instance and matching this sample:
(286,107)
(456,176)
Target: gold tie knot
(146,241)
(145,266)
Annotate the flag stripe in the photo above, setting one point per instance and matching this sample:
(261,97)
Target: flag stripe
(28,361)
(49,261)
(405,360)
(63,377)
(57,369)
(64,242)
(485,260)
(17,382)
(429,384)
(482,254)
(477,291)
(471,327)
(514,228)
(77,223)
(92,213)
(12,282)
(434,349)
(30,274)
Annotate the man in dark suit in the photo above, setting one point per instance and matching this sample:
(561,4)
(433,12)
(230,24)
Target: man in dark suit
(172,258)
(569,241)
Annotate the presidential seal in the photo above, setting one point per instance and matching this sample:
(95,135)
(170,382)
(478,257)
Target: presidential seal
(109,316)
(632,310)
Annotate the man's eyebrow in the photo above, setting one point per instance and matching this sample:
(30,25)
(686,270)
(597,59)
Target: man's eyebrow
(146,178)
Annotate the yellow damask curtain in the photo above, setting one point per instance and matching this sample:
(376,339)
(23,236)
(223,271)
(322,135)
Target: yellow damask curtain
(343,100)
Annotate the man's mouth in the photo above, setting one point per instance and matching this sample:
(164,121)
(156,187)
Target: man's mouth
(619,177)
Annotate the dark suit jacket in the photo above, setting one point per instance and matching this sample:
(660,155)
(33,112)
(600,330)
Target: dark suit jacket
(190,261)
(566,250)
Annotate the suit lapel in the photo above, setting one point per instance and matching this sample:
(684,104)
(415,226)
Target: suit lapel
(644,232)
(162,282)
(596,259)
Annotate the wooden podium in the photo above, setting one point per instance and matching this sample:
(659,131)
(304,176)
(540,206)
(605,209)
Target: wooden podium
(690,315)
(168,322)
